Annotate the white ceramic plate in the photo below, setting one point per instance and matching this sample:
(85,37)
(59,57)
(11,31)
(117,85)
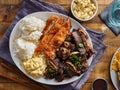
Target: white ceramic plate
(17,61)
(113,74)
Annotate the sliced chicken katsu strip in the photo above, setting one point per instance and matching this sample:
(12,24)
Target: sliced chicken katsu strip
(45,40)
(49,24)
(57,40)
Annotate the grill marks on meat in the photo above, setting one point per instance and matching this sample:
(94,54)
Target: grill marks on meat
(71,61)
(78,40)
(86,44)
(64,51)
(83,37)
(73,68)
(53,64)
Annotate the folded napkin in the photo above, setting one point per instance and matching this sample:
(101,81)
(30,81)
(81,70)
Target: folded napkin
(104,17)
(30,6)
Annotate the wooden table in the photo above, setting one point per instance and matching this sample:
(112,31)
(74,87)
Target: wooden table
(8,79)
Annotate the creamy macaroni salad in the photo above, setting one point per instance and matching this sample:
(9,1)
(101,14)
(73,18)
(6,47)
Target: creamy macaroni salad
(83,9)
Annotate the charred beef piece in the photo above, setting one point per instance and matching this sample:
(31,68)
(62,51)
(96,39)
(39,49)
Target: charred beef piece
(60,73)
(76,37)
(69,73)
(52,67)
(54,64)
(59,76)
(50,73)
(78,40)
(80,36)
(72,67)
(63,53)
(69,45)
(86,44)
(85,66)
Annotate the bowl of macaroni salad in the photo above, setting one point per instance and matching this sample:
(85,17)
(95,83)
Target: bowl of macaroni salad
(84,10)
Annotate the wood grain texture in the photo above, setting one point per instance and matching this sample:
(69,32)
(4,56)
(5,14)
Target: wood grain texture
(8,9)
(10,2)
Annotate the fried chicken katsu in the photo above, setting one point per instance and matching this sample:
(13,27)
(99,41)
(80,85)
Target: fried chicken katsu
(49,24)
(52,31)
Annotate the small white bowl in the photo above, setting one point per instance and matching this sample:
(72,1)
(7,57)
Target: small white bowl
(96,4)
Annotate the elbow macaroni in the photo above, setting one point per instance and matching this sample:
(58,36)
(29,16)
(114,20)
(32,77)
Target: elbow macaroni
(35,66)
(83,9)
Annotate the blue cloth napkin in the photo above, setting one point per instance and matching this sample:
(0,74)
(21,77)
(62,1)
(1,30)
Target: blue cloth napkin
(30,6)
(104,17)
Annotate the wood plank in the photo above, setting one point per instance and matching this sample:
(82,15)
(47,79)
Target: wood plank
(3,28)
(10,2)
(5,80)
(105,2)
(7,13)
(12,86)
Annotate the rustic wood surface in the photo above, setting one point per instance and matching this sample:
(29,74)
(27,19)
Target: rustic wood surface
(11,78)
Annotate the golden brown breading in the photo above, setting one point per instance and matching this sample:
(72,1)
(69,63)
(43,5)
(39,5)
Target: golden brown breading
(49,24)
(57,40)
(46,38)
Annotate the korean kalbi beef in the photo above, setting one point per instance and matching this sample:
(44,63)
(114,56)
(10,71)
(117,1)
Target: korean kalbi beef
(64,51)
(71,57)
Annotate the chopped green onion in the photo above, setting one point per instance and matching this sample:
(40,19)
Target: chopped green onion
(69,39)
(51,70)
(74,57)
(80,45)
(76,63)
(80,58)
(67,68)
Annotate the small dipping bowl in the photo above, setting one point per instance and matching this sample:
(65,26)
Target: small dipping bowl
(100,84)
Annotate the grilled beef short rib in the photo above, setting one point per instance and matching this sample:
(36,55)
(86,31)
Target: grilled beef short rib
(71,57)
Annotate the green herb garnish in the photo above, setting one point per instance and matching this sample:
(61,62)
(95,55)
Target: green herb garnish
(80,45)
(51,70)
(74,57)
(69,39)
(76,63)
(67,68)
